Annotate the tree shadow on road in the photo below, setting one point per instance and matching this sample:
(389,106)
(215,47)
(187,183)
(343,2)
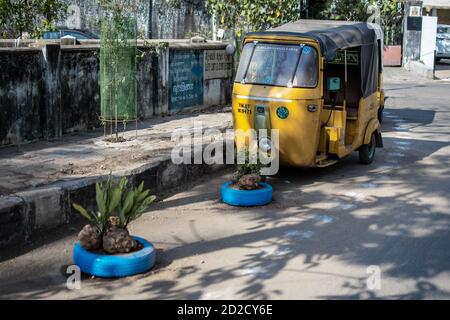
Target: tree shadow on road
(394,216)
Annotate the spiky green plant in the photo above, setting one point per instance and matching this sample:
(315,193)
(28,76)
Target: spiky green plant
(248,167)
(116,198)
(133,204)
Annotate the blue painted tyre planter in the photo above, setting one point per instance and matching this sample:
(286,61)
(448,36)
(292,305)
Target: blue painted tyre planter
(246,198)
(114,266)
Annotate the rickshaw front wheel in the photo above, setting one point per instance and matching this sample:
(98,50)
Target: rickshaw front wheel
(367,151)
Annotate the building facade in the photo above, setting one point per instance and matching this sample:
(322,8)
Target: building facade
(437,8)
(161,19)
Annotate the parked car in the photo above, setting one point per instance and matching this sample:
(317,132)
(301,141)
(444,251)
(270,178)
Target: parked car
(443,42)
(79,34)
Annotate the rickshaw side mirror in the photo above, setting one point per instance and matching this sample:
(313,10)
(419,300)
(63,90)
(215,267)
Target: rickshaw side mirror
(230,49)
(334,84)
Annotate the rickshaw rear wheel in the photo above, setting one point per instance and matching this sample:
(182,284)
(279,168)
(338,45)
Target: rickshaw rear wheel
(367,151)
(380,114)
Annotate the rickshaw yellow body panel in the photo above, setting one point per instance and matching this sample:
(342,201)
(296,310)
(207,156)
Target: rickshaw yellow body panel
(305,136)
(298,133)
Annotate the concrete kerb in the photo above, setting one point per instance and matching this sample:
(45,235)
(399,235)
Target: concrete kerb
(13,220)
(419,69)
(27,214)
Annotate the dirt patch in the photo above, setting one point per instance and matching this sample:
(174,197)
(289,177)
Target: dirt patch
(115,139)
(237,186)
(139,246)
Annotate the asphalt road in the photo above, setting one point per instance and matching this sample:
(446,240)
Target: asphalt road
(442,69)
(327,233)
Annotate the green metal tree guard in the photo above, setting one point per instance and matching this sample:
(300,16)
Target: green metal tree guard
(118,50)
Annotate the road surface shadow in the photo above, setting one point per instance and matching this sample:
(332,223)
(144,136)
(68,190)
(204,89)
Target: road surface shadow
(397,230)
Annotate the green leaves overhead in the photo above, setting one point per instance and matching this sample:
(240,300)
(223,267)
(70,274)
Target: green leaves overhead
(389,13)
(32,16)
(251,15)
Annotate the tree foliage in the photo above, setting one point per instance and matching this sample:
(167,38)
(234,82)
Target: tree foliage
(251,15)
(349,10)
(314,9)
(31,16)
(388,13)
(391,18)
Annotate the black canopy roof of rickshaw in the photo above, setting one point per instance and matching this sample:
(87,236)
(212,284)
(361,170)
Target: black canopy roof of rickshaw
(332,35)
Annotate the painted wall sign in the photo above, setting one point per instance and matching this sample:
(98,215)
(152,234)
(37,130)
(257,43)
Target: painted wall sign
(185,78)
(414,24)
(218,64)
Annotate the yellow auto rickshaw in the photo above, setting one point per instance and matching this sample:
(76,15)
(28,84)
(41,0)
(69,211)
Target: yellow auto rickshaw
(319,83)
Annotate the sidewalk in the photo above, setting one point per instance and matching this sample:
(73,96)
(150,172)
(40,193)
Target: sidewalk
(39,180)
(401,75)
(87,154)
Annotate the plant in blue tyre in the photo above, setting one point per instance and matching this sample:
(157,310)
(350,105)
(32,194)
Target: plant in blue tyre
(247,187)
(105,247)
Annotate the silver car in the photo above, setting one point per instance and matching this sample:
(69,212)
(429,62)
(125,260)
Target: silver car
(443,42)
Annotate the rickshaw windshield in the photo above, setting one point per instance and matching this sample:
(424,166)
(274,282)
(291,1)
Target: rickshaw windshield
(278,65)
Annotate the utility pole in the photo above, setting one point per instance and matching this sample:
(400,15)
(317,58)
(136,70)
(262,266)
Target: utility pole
(304,10)
(150,19)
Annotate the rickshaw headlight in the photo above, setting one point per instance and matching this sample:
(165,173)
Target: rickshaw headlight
(265,144)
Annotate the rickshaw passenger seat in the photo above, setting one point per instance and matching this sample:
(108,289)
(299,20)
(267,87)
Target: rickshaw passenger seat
(353,98)
(353,93)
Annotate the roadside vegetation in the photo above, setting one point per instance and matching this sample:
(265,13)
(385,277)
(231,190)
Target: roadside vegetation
(31,17)
(240,16)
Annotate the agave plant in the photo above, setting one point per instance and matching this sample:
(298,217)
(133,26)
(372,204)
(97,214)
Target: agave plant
(247,167)
(116,199)
(133,204)
(248,174)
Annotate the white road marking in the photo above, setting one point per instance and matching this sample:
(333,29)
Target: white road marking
(392,161)
(397,154)
(324,219)
(402,142)
(346,206)
(368,185)
(251,271)
(298,234)
(355,195)
(276,252)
